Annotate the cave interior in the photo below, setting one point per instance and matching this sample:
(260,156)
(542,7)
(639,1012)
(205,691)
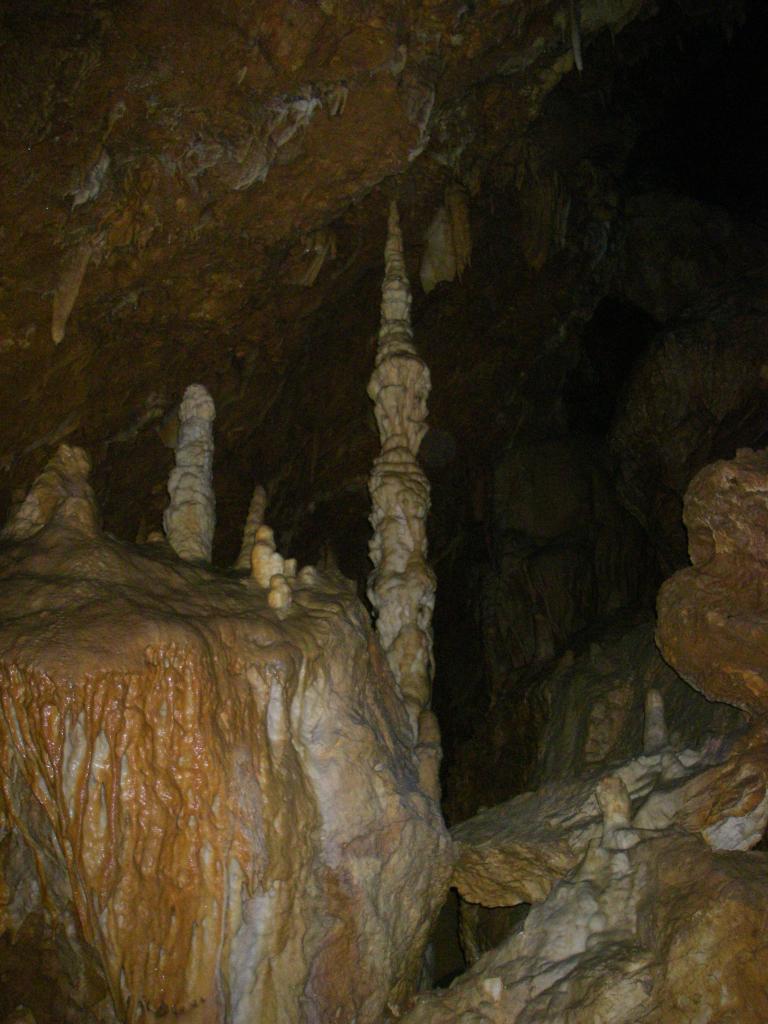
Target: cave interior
(197,193)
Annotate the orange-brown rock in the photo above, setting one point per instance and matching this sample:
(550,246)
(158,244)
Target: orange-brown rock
(219,798)
(713,616)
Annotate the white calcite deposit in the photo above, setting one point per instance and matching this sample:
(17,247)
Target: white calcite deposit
(190,518)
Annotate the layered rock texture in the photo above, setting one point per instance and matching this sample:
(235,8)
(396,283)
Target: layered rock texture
(209,803)
(649,928)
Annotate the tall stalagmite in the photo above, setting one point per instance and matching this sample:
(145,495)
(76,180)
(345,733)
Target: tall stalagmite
(402,586)
(190,518)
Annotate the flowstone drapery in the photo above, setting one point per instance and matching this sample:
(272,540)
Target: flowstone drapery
(221,783)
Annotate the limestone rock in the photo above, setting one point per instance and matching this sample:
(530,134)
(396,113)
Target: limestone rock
(401,587)
(253,521)
(595,704)
(695,394)
(664,931)
(220,799)
(515,852)
(190,519)
(713,616)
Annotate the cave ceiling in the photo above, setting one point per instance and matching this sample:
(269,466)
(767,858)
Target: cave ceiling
(197,192)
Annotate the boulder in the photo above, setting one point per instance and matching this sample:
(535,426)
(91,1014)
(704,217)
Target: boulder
(713,616)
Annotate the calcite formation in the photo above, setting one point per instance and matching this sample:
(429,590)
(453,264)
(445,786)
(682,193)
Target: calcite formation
(515,852)
(647,905)
(448,248)
(402,585)
(712,616)
(649,927)
(254,520)
(190,518)
(211,795)
(67,288)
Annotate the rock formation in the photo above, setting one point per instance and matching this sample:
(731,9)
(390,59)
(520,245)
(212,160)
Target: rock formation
(253,521)
(190,518)
(713,615)
(402,585)
(639,932)
(513,853)
(226,795)
(646,905)
(448,248)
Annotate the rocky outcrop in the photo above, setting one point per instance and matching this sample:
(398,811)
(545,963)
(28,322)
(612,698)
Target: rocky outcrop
(218,798)
(515,852)
(646,905)
(676,251)
(595,702)
(652,928)
(694,396)
(561,554)
(713,616)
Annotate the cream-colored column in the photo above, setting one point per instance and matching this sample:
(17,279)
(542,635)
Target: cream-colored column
(189,520)
(401,587)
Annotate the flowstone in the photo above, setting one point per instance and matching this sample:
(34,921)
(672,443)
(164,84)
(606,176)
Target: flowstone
(218,797)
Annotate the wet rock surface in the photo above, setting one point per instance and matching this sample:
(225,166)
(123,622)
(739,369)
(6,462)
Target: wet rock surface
(218,802)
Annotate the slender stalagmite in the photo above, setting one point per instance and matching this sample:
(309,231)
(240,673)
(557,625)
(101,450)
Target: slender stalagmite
(401,587)
(190,517)
(253,521)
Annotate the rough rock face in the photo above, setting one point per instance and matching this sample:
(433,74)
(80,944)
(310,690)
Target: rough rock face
(212,802)
(677,250)
(694,396)
(513,853)
(713,616)
(657,929)
(633,920)
(562,553)
(595,701)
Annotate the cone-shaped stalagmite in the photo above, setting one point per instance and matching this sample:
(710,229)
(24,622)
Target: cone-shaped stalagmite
(402,586)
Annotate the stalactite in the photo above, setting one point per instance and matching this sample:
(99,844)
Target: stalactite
(402,586)
(457,205)
(190,518)
(253,521)
(448,241)
(68,288)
